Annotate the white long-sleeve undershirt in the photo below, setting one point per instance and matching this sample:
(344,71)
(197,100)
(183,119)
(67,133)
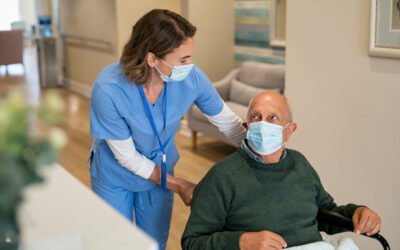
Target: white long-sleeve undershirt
(229,124)
(127,156)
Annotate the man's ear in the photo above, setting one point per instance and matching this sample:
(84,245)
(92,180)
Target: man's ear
(151,59)
(244,124)
(290,130)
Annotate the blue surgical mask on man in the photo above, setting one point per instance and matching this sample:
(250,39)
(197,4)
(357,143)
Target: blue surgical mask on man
(265,138)
(178,73)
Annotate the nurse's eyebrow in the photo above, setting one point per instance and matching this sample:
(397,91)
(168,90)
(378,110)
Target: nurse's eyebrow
(185,57)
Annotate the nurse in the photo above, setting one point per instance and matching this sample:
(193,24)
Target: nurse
(136,107)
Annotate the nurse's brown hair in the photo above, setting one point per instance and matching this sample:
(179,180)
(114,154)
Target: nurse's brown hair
(158,32)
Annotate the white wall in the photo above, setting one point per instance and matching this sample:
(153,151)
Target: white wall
(28,12)
(347,106)
(43,7)
(214,37)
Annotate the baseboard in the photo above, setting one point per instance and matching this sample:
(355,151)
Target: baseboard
(79,87)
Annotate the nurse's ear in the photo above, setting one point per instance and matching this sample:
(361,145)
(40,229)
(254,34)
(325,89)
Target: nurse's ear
(151,59)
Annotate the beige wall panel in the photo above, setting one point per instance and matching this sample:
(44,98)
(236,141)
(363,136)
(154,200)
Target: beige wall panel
(94,19)
(347,107)
(84,64)
(215,36)
(95,22)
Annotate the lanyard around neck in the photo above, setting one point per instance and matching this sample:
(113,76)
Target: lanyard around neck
(153,125)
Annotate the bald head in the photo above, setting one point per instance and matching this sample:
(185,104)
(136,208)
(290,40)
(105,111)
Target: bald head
(269,106)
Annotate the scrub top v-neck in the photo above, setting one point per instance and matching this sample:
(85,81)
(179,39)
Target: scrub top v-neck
(117,113)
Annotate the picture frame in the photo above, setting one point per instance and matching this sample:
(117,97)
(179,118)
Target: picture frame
(385,29)
(278,23)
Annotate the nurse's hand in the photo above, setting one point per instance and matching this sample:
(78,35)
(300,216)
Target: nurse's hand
(186,191)
(177,185)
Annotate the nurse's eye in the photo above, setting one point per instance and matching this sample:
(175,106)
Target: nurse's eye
(186,60)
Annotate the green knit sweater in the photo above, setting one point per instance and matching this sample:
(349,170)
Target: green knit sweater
(241,195)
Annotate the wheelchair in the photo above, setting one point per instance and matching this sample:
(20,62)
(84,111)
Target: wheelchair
(341,224)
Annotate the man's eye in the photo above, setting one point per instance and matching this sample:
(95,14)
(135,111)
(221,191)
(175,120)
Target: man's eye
(272,117)
(256,117)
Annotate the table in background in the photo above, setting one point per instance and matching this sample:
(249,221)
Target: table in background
(62,213)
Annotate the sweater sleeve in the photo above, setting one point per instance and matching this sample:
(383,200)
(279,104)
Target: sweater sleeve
(326,202)
(205,228)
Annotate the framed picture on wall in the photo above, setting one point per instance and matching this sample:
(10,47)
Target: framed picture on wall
(278,23)
(385,28)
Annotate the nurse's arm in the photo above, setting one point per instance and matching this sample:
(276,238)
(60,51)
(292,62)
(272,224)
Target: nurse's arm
(127,156)
(229,124)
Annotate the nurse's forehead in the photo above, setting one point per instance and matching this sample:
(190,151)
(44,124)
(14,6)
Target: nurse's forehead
(185,50)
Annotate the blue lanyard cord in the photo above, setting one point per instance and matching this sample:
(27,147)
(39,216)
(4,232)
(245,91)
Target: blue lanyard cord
(153,125)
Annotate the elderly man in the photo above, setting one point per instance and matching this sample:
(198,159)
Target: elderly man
(264,196)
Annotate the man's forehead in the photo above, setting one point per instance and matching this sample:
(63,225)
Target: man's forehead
(266,107)
(268,104)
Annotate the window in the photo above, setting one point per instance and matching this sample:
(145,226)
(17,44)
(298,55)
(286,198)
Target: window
(9,12)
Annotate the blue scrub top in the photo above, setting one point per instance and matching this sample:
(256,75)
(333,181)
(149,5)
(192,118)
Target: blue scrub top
(117,113)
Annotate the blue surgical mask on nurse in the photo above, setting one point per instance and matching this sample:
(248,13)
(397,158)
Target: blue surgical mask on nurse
(178,73)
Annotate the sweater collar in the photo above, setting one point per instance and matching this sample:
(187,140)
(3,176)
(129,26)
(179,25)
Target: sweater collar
(246,149)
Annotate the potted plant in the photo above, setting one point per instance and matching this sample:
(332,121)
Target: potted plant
(23,153)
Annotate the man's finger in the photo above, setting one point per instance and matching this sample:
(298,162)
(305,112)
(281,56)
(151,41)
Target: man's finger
(370,224)
(375,230)
(361,225)
(356,220)
(277,238)
(274,245)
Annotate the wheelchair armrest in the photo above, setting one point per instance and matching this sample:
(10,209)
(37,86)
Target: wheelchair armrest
(335,219)
(340,221)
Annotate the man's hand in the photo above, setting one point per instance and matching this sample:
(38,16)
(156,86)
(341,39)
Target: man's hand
(264,240)
(366,221)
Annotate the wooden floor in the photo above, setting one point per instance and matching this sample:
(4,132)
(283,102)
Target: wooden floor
(192,165)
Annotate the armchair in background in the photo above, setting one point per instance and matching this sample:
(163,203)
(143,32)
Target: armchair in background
(237,89)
